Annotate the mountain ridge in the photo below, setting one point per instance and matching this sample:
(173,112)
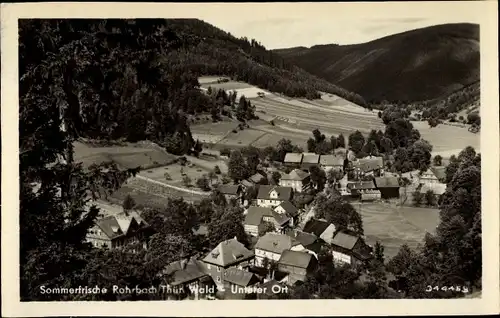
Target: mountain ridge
(416,65)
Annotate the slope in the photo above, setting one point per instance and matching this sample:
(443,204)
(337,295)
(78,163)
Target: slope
(416,65)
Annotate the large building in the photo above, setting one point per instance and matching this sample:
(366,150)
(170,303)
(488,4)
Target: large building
(297,179)
(119,230)
(271,246)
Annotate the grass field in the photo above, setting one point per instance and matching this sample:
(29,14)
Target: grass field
(447,140)
(129,156)
(394,226)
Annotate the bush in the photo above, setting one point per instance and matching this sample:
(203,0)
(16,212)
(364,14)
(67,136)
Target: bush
(203,183)
(186,180)
(225,179)
(225,152)
(234,131)
(272,122)
(167,176)
(217,170)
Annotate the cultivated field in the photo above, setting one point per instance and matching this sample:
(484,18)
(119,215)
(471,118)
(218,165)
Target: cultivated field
(448,140)
(394,226)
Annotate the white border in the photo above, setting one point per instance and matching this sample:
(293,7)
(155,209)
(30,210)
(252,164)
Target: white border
(485,11)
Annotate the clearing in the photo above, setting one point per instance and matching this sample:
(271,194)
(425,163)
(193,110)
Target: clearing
(394,226)
(448,140)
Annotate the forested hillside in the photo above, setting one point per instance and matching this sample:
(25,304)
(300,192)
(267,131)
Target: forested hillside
(137,79)
(417,65)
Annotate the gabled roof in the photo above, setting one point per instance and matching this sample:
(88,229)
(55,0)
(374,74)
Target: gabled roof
(185,271)
(316,227)
(275,243)
(345,240)
(239,277)
(229,189)
(296,174)
(117,225)
(228,252)
(303,238)
(310,158)
(289,208)
(296,259)
(280,218)
(293,157)
(387,182)
(255,214)
(439,172)
(284,193)
(246,183)
(368,164)
(361,185)
(332,160)
(256,178)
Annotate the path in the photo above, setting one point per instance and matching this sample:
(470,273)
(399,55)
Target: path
(172,187)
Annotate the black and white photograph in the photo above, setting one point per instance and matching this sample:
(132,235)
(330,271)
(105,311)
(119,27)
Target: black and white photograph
(252,151)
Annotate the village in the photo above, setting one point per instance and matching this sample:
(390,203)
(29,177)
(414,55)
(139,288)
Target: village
(286,235)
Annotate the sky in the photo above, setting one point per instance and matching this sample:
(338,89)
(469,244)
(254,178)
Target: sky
(282,25)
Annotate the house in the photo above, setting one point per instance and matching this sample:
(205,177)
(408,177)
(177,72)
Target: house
(256,217)
(297,265)
(306,242)
(271,196)
(271,246)
(332,162)
(321,228)
(288,209)
(348,248)
(388,187)
(187,275)
(231,191)
(228,254)
(433,175)
(237,282)
(364,190)
(118,230)
(297,179)
(293,159)
(258,178)
(246,184)
(368,166)
(438,189)
(308,160)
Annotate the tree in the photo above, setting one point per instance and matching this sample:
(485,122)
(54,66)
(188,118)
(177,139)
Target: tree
(275,177)
(311,145)
(433,122)
(203,183)
(217,170)
(437,160)
(356,141)
(237,168)
(323,148)
(186,180)
(225,152)
(430,198)
(266,228)
(285,146)
(379,252)
(334,142)
(341,141)
(417,198)
(128,203)
(318,177)
(227,223)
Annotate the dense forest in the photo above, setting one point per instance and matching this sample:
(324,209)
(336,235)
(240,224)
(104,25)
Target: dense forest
(137,79)
(416,65)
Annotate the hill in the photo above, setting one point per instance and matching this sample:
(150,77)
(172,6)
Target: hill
(138,79)
(417,65)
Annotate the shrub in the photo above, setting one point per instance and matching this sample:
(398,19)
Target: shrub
(203,183)
(167,176)
(217,170)
(186,180)
(234,131)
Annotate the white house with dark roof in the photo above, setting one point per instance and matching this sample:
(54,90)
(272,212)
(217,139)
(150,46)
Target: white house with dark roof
(256,217)
(118,230)
(368,166)
(271,246)
(321,228)
(297,179)
(288,209)
(271,196)
(228,254)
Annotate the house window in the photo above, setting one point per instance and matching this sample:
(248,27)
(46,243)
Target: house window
(218,268)
(218,279)
(208,266)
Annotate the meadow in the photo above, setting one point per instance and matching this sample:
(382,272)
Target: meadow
(396,225)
